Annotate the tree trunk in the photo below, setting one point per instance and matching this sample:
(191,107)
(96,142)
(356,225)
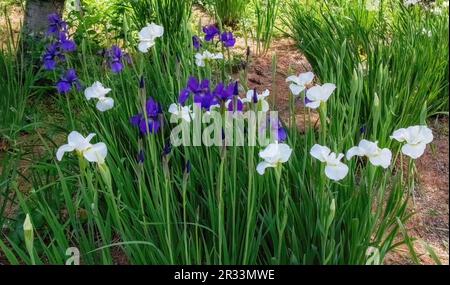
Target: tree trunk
(36,14)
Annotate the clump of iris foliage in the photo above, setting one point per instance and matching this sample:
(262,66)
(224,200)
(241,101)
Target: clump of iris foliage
(158,204)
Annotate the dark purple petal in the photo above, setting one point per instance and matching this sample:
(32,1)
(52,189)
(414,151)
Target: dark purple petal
(49,64)
(307,100)
(152,107)
(236,106)
(153,126)
(140,157)
(255,96)
(363,129)
(136,120)
(116,66)
(71,75)
(184,96)
(219,90)
(142,82)
(227,39)
(210,32)
(196,42)
(193,84)
(282,134)
(56,25)
(205,85)
(167,149)
(68,46)
(187,167)
(236,89)
(63,87)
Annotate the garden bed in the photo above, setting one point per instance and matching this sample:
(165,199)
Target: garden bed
(33,152)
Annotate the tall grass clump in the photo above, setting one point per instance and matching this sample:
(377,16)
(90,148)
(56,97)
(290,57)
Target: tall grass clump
(266,12)
(402,53)
(172,14)
(230,12)
(16,82)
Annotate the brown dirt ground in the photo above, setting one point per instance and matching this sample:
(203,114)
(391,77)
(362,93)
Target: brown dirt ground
(14,17)
(430,222)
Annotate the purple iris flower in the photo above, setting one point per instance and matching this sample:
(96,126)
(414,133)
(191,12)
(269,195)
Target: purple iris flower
(140,157)
(152,123)
(227,39)
(276,129)
(197,87)
(167,149)
(210,32)
(237,106)
(66,44)
(223,93)
(363,129)
(236,89)
(196,42)
(116,57)
(67,81)
(255,96)
(153,108)
(202,92)
(184,96)
(280,131)
(307,100)
(206,100)
(52,53)
(56,25)
(187,167)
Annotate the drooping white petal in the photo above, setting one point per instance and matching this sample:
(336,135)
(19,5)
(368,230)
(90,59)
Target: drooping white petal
(296,89)
(313,104)
(336,172)
(285,152)
(414,150)
(270,153)
(144,46)
(62,150)
(314,93)
(96,153)
(320,152)
(426,134)
(352,152)
(382,158)
(264,105)
(105,104)
(261,167)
